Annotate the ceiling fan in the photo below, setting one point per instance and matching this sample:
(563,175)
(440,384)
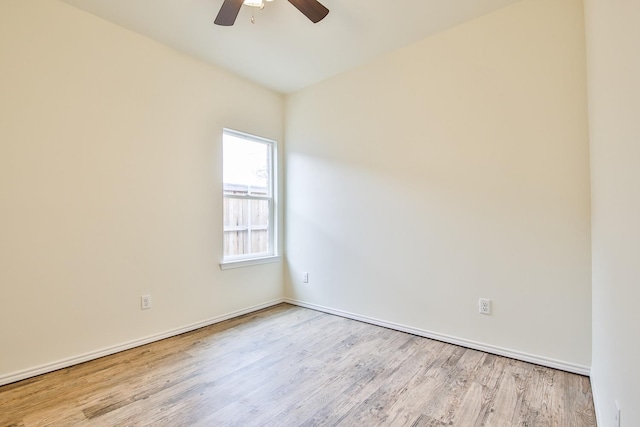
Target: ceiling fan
(312,9)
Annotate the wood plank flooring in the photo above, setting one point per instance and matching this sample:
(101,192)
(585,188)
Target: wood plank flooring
(290,366)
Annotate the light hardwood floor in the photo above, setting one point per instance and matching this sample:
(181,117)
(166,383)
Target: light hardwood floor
(290,366)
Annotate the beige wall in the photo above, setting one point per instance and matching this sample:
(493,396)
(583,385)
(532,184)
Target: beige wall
(110,185)
(613,51)
(453,169)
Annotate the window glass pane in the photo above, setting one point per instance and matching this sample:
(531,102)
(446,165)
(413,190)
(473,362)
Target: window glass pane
(236,242)
(246,226)
(259,214)
(259,226)
(236,213)
(246,166)
(260,241)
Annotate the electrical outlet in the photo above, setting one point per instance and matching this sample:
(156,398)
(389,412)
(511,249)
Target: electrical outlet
(485,306)
(616,415)
(305,277)
(145,302)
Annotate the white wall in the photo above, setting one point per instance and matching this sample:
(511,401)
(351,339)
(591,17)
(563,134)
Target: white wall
(110,183)
(452,169)
(613,52)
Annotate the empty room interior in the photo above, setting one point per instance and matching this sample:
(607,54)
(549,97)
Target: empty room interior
(444,204)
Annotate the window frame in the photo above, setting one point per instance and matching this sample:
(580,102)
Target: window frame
(272,254)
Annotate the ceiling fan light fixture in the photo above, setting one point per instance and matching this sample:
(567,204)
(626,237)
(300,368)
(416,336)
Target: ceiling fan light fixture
(312,9)
(253,3)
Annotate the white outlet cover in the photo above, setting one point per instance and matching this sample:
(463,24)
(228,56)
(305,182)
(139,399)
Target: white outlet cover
(484,306)
(145,302)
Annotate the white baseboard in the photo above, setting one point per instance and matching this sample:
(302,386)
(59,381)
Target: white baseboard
(513,354)
(65,363)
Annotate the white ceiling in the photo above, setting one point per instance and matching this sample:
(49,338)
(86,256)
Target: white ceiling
(283,50)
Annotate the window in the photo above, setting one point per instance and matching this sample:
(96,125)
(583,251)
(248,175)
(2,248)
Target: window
(248,169)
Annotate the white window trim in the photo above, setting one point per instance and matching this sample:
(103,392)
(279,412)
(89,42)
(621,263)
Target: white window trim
(229,264)
(273,254)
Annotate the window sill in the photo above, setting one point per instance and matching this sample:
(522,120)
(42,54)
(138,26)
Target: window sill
(227,265)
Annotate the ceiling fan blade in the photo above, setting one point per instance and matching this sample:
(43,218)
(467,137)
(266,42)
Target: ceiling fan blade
(228,12)
(312,9)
